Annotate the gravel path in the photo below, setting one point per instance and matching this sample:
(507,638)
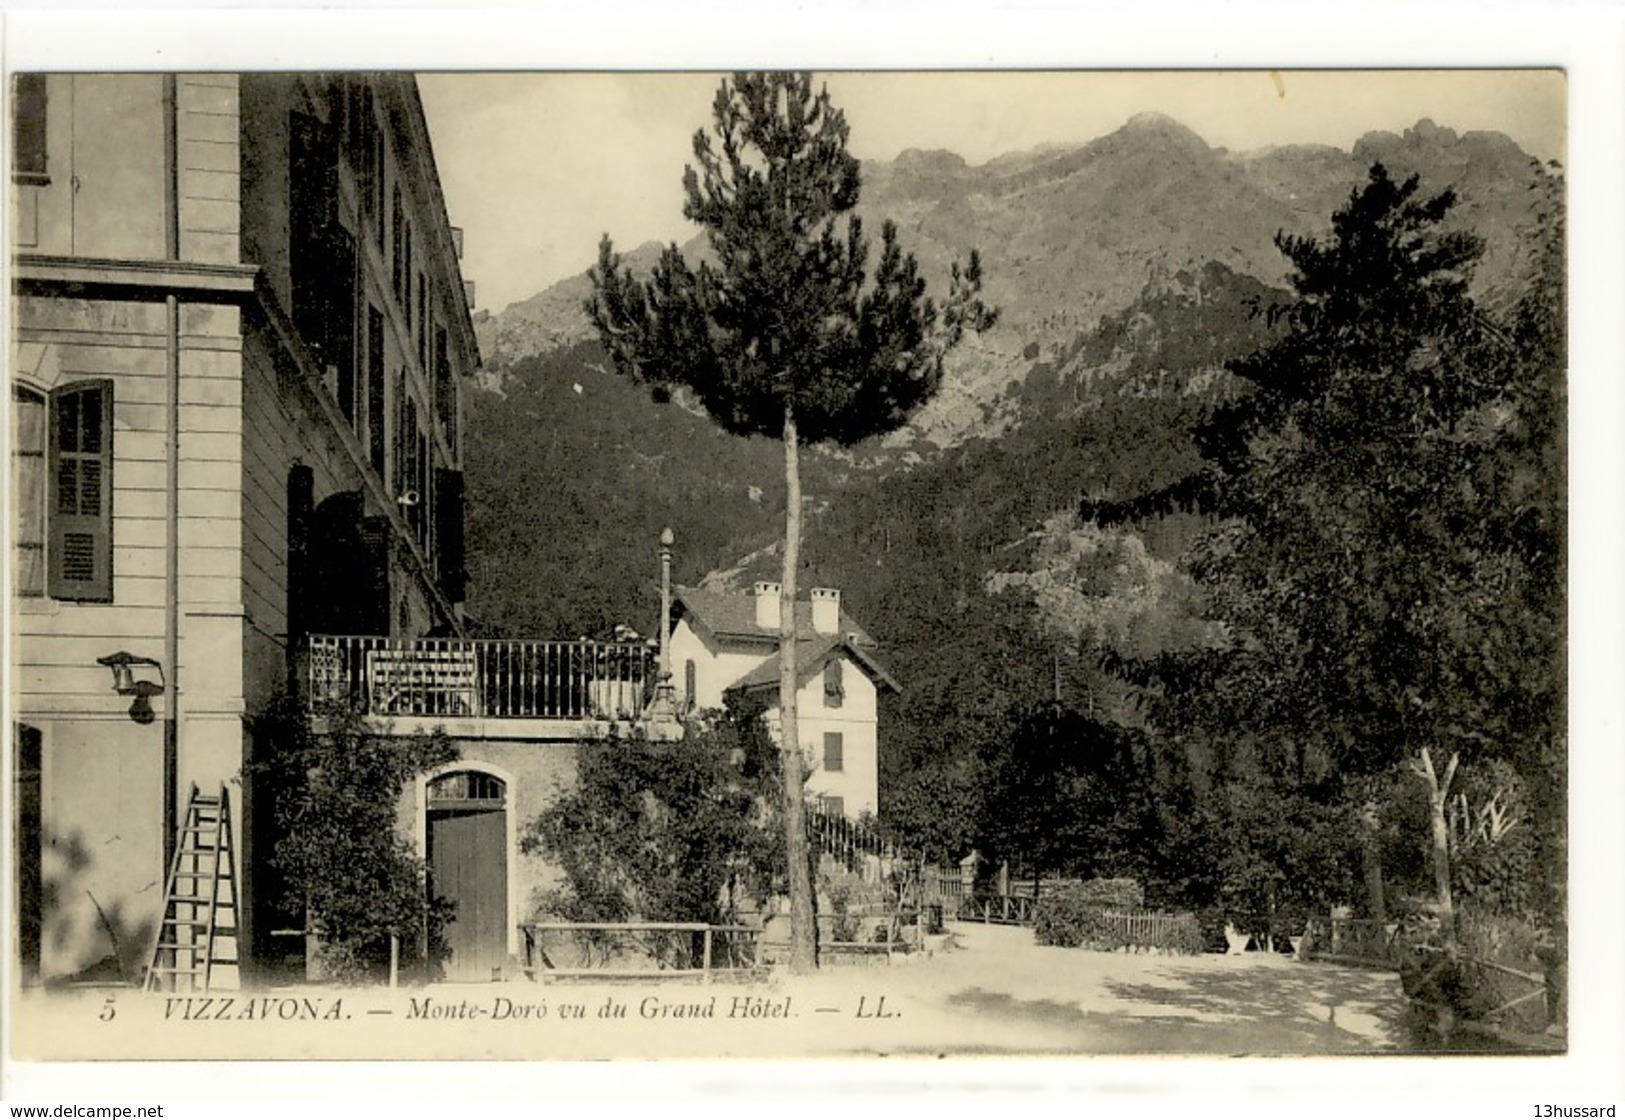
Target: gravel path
(994,991)
(990,991)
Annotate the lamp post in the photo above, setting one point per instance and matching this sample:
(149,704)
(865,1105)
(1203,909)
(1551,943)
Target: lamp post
(663,688)
(667,539)
(662,708)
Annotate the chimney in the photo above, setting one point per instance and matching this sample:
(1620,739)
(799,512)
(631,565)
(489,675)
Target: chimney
(767,605)
(826,610)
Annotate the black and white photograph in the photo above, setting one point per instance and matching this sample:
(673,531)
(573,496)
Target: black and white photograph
(542,564)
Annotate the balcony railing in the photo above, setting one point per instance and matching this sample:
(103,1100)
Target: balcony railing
(486,679)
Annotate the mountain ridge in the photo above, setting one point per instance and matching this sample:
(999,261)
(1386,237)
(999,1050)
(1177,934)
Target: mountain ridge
(1070,234)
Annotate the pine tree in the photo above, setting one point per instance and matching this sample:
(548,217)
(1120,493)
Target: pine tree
(788,336)
(1387,553)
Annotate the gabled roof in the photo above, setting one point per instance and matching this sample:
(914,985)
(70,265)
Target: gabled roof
(811,656)
(723,617)
(732,617)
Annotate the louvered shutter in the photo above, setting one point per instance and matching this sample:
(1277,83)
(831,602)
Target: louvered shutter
(450,558)
(80,552)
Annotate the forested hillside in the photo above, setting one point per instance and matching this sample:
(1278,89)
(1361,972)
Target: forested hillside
(1132,273)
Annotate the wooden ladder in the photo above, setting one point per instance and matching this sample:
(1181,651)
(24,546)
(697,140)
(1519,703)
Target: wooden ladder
(199,928)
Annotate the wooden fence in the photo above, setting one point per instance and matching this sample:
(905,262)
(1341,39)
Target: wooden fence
(639,951)
(1352,941)
(1153,928)
(1511,1005)
(942,887)
(997,909)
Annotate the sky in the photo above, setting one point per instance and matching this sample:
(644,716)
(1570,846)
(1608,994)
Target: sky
(537,166)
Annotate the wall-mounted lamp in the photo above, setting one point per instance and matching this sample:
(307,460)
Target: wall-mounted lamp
(137,676)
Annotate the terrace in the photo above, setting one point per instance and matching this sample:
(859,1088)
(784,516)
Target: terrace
(492,689)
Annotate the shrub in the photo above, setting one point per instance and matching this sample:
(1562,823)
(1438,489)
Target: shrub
(1112,894)
(1464,981)
(344,868)
(1211,922)
(1511,942)
(666,832)
(1072,918)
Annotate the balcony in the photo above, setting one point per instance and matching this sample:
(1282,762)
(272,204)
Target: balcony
(490,688)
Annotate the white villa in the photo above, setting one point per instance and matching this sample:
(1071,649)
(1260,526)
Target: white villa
(724,643)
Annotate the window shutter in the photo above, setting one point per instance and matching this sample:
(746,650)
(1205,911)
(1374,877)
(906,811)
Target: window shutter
(834,751)
(445,389)
(421,326)
(301,511)
(448,533)
(691,689)
(375,538)
(377,449)
(321,253)
(30,419)
(341,325)
(377,179)
(307,220)
(407,293)
(397,245)
(28,156)
(80,549)
(834,689)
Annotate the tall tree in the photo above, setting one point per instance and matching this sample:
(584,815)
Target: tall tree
(788,335)
(1383,597)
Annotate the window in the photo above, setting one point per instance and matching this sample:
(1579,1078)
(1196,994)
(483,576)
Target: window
(468,785)
(422,325)
(833,806)
(301,513)
(423,512)
(445,389)
(348,383)
(397,245)
(28,163)
(834,750)
(690,685)
(404,292)
(366,145)
(834,691)
(79,538)
(377,159)
(62,478)
(28,493)
(448,537)
(404,444)
(321,256)
(375,389)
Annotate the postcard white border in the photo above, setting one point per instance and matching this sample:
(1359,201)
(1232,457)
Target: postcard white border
(1585,39)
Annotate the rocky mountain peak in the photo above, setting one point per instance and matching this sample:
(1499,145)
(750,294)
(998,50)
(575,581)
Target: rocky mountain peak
(1158,129)
(1070,236)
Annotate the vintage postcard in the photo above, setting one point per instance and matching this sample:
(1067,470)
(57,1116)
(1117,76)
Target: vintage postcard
(537,564)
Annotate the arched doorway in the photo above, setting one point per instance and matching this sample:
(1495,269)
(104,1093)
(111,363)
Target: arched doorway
(467,839)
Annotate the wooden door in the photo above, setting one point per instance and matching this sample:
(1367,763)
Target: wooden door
(468,869)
